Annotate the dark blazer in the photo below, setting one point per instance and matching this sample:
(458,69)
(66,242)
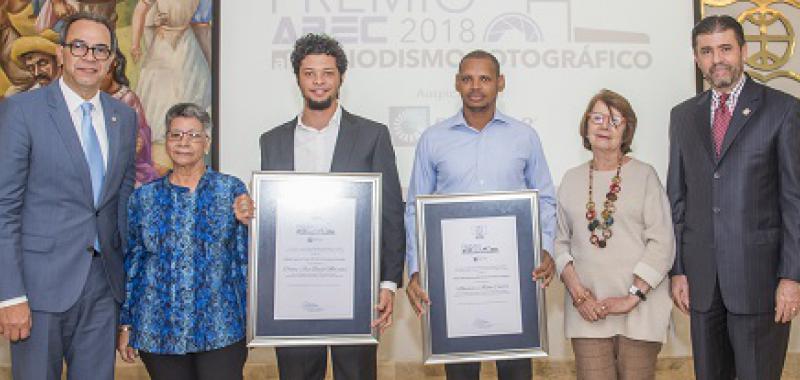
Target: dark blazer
(362,146)
(737,218)
(48,220)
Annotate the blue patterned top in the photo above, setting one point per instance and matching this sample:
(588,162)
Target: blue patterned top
(186,266)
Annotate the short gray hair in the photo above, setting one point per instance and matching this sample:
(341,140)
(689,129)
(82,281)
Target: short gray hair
(189,110)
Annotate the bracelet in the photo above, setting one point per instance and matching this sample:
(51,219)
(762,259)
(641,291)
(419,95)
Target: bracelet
(125,328)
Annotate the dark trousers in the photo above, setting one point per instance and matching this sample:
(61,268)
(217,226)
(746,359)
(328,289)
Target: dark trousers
(310,363)
(84,335)
(741,346)
(517,369)
(226,363)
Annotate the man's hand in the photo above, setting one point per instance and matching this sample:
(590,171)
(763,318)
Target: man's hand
(544,272)
(416,296)
(15,322)
(620,305)
(385,309)
(680,292)
(244,208)
(126,352)
(787,300)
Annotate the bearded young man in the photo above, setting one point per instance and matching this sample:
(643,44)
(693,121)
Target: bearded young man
(324,137)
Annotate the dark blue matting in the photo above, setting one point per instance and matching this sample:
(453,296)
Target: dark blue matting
(434,214)
(266,325)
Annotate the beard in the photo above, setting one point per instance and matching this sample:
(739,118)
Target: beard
(726,81)
(319,105)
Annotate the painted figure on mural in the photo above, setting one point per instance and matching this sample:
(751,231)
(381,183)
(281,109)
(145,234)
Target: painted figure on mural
(201,26)
(116,84)
(49,13)
(37,56)
(173,66)
(15,21)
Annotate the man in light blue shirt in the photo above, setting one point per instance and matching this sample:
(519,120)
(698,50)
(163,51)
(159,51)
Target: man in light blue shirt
(480,150)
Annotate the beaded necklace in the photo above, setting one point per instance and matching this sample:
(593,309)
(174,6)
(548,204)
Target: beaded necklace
(607,215)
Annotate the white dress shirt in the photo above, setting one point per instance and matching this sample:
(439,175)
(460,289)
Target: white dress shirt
(74,102)
(313,152)
(313,148)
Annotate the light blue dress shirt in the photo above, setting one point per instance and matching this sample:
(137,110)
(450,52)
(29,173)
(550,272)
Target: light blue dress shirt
(453,157)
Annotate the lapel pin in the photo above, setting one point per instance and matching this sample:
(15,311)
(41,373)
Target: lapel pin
(114,118)
(746,111)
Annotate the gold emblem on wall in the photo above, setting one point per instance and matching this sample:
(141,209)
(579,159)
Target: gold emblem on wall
(775,37)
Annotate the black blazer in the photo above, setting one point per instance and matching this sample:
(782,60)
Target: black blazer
(363,146)
(737,218)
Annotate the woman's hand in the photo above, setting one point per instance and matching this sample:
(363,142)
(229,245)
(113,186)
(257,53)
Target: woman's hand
(126,352)
(136,53)
(588,307)
(244,209)
(620,305)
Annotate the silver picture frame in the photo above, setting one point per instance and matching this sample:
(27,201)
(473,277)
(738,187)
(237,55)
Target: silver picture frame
(263,330)
(437,348)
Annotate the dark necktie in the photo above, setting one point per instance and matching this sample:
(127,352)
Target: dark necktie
(722,117)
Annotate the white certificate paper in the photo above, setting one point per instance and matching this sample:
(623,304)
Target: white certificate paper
(481,276)
(315,260)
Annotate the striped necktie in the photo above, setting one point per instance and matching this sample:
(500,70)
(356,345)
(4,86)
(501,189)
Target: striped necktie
(722,118)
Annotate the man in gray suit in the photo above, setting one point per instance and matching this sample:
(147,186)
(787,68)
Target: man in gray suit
(734,185)
(327,138)
(67,159)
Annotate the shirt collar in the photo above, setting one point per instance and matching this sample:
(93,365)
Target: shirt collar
(460,121)
(74,100)
(334,122)
(734,95)
(181,189)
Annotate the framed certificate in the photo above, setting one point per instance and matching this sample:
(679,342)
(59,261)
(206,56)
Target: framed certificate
(314,259)
(476,255)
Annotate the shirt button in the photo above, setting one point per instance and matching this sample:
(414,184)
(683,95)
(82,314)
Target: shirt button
(716,175)
(716,210)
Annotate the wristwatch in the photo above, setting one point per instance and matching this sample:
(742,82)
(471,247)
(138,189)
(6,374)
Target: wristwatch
(634,291)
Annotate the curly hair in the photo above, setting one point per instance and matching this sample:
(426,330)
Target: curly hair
(318,44)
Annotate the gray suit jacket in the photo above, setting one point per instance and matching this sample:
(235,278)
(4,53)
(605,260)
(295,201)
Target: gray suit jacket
(48,220)
(362,146)
(737,218)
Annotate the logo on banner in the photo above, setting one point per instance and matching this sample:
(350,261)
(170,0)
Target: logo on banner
(407,123)
(516,24)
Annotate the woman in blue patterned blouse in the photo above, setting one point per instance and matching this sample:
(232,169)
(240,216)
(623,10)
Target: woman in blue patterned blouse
(186,264)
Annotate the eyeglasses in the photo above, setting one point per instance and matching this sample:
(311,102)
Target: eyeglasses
(79,49)
(194,136)
(598,118)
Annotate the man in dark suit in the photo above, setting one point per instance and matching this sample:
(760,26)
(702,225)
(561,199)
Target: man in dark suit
(67,159)
(326,138)
(734,185)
